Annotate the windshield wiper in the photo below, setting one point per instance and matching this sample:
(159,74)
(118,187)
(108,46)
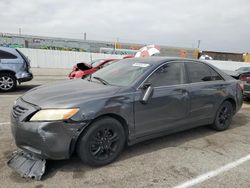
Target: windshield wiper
(104,82)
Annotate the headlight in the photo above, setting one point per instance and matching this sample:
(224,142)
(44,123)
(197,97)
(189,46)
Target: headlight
(54,114)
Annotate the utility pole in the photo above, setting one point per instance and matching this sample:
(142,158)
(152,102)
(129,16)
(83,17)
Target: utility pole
(20,31)
(199,42)
(116,43)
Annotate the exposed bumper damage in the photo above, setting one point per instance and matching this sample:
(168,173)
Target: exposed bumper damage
(39,141)
(27,165)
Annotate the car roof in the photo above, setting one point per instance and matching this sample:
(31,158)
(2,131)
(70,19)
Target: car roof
(156,60)
(7,49)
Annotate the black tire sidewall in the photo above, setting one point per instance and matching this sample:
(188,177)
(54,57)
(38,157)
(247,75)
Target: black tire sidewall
(216,125)
(14,81)
(83,143)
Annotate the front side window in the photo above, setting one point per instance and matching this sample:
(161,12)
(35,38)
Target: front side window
(6,55)
(199,72)
(168,74)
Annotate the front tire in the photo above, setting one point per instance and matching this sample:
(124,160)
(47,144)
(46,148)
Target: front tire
(102,143)
(223,117)
(8,82)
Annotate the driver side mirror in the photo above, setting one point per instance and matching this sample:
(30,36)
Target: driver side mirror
(148,92)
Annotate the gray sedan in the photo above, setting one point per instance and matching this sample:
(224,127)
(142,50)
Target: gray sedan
(122,104)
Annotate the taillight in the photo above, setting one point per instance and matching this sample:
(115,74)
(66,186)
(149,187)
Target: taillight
(241,86)
(244,77)
(248,79)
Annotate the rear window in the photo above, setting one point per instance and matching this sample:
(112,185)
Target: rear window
(7,55)
(199,72)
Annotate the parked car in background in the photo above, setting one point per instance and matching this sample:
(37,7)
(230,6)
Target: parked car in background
(231,73)
(243,70)
(237,73)
(14,68)
(81,70)
(126,102)
(242,74)
(245,78)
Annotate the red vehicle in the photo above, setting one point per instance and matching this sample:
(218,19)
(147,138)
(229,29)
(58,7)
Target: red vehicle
(81,70)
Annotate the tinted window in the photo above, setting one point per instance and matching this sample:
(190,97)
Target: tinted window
(199,72)
(215,75)
(168,74)
(6,55)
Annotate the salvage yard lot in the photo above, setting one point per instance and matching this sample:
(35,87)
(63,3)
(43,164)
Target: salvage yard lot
(164,162)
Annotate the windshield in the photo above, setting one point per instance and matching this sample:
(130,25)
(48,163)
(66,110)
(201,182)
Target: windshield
(109,63)
(121,73)
(96,62)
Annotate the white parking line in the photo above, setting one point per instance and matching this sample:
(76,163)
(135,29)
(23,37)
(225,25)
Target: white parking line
(5,123)
(213,173)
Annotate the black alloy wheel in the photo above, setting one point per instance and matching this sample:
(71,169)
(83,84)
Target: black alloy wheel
(102,142)
(223,117)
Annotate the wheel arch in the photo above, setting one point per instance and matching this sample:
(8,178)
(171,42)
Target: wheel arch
(229,99)
(115,116)
(8,71)
(119,118)
(232,101)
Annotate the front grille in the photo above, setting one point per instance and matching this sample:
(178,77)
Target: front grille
(18,111)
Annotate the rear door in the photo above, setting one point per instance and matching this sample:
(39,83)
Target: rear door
(168,107)
(207,88)
(6,57)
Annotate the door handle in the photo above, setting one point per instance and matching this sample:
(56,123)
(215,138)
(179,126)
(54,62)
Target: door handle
(184,92)
(221,86)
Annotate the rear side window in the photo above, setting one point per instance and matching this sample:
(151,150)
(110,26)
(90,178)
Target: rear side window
(6,55)
(199,72)
(168,74)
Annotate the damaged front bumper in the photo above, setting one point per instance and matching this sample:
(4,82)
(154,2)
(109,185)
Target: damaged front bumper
(27,165)
(50,140)
(38,141)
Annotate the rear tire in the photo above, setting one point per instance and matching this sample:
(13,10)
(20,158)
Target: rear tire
(102,143)
(8,82)
(223,117)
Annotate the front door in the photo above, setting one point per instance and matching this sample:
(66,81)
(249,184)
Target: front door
(168,106)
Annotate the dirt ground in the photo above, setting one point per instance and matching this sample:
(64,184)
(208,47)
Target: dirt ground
(164,162)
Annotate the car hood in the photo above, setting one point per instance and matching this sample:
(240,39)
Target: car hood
(67,94)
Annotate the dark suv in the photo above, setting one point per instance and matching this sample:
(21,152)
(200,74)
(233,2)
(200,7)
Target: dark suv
(14,68)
